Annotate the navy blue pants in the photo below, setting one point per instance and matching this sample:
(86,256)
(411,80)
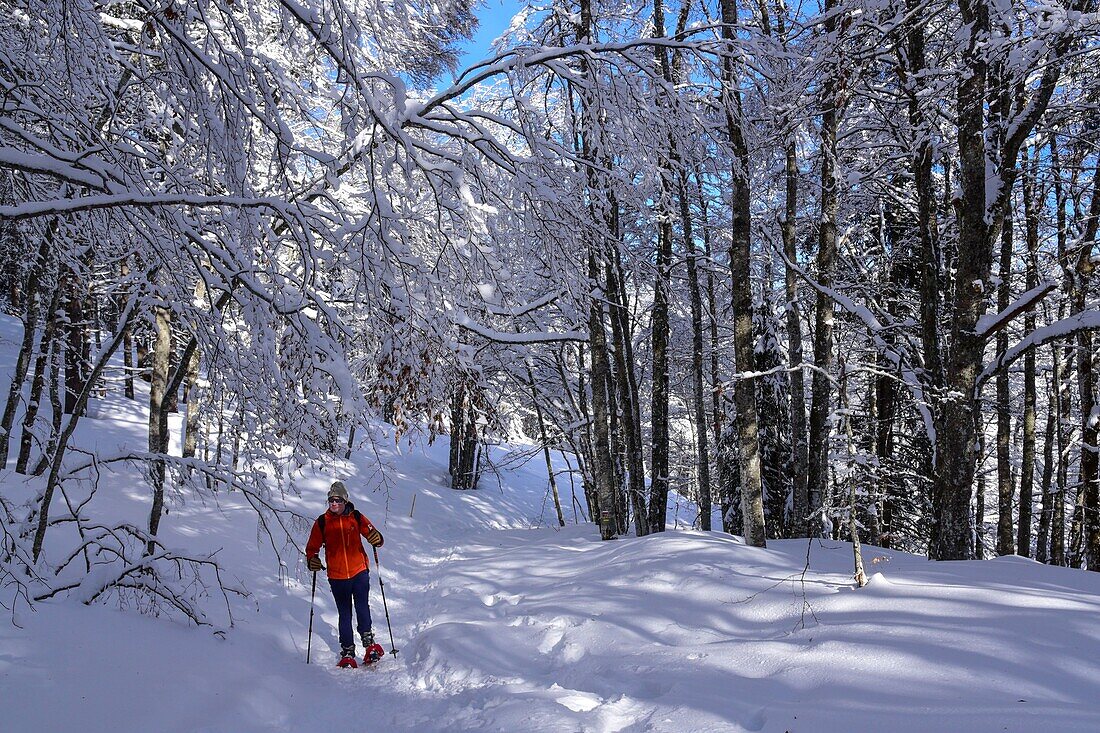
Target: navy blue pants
(345,591)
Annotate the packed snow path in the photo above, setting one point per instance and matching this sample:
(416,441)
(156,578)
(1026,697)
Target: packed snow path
(549,631)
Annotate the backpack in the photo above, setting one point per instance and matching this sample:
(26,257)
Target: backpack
(321,521)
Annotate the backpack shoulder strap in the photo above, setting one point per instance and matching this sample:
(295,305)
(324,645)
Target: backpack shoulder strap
(321,524)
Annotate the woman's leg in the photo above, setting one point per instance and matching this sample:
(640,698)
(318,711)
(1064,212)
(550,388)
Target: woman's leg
(342,593)
(360,589)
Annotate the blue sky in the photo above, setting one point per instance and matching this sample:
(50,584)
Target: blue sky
(493,17)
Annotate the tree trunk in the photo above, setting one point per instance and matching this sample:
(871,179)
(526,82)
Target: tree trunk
(1027,468)
(464,442)
(600,371)
(33,299)
(127,344)
(702,454)
(744,389)
(979,501)
(1065,416)
(799,507)
(191,398)
(658,464)
(715,375)
(952,536)
(821,392)
(799,441)
(854,478)
(986,175)
(601,437)
(41,364)
(158,422)
(1005,489)
(57,409)
(629,399)
(1088,481)
(1042,542)
(454,452)
(58,446)
(1061,378)
(76,342)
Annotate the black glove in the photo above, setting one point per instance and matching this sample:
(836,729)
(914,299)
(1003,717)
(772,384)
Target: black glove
(375,538)
(313,562)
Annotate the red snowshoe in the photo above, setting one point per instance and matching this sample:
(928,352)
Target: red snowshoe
(373,654)
(347,659)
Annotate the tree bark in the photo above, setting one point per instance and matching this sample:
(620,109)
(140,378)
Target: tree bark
(821,387)
(1005,489)
(56,452)
(41,364)
(658,464)
(853,484)
(57,408)
(627,393)
(76,341)
(744,390)
(158,419)
(1087,479)
(191,397)
(33,299)
(799,440)
(1027,467)
(1061,377)
(985,178)
(979,500)
(952,536)
(788,231)
(1042,542)
(127,345)
(601,437)
(702,454)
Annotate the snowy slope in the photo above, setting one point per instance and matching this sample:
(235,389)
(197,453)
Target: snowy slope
(505,623)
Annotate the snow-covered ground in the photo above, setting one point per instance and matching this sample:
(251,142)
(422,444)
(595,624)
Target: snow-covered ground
(505,623)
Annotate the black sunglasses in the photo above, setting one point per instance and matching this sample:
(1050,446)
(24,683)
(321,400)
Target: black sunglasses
(336,500)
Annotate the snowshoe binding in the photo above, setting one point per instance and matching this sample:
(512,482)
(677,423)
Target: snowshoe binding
(374,650)
(347,658)
(373,654)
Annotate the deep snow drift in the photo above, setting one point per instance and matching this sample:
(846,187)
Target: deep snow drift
(505,623)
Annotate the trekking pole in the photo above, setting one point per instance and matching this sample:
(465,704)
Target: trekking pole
(378,566)
(312,593)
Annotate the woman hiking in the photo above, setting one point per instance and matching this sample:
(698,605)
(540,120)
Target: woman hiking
(339,530)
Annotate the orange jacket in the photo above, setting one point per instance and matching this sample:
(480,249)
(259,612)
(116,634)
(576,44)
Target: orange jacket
(344,551)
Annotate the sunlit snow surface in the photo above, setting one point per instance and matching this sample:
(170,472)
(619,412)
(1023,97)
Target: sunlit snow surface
(505,623)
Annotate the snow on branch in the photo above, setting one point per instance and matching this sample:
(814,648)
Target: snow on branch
(1085,320)
(525,308)
(893,354)
(501,337)
(991,323)
(88,203)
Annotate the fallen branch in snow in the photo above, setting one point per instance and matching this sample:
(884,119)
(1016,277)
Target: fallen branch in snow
(802,582)
(158,582)
(16,568)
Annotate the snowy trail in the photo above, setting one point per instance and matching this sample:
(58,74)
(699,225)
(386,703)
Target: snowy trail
(504,624)
(544,630)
